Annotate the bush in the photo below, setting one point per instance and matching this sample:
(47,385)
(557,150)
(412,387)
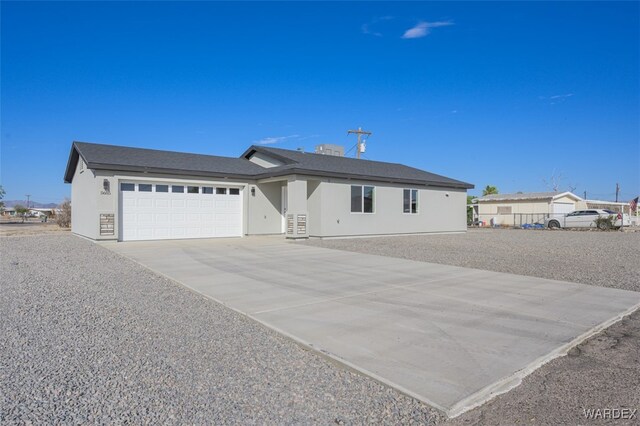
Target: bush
(63,217)
(605,223)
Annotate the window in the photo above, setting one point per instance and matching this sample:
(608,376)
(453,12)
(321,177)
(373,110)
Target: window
(193,189)
(221,191)
(144,187)
(177,188)
(207,190)
(162,188)
(127,187)
(234,191)
(410,201)
(504,209)
(362,199)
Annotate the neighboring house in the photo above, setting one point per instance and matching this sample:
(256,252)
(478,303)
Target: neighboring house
(524,208)
(606,205)
(128,193)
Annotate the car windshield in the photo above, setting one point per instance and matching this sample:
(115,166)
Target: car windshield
(610,211)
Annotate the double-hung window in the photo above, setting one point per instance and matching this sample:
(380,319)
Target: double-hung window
(410,201)
(362,199)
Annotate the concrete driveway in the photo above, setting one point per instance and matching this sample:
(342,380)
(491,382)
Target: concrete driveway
(452,337)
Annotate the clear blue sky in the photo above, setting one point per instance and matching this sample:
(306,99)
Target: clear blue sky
(506,94)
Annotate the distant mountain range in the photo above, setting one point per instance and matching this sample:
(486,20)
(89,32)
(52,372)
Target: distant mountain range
(32,204)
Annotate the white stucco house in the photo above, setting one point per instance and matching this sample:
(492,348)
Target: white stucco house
(124,193)
(524,207)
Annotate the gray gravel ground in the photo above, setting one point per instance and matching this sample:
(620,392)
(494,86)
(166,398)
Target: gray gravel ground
(89,337)
(603,372)
(608,259)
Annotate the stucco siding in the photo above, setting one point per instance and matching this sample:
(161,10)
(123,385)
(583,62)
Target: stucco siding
(439,210)
(314,206)
(83,202)
(263,209)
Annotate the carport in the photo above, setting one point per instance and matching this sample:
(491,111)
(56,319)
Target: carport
(452,337)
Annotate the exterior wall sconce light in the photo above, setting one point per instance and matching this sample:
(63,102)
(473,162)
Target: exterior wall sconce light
(253,191)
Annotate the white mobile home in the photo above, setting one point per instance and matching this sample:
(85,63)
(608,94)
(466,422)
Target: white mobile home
(522,208)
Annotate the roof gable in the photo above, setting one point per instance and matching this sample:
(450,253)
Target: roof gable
(113,157)
(305,162)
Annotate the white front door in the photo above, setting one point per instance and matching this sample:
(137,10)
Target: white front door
(284,205)
(159,210)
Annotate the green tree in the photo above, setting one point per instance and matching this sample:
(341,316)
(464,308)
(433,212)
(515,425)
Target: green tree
(469,209)
(21,211)
(488,190)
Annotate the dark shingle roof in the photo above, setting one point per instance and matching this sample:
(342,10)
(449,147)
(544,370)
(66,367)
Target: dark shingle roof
(350,167)
(112,157)
(120,158)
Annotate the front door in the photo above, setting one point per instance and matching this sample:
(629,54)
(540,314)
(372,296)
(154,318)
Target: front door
(284,207)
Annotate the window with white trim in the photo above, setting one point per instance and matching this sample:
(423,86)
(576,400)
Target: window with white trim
(410,201)
(362,199)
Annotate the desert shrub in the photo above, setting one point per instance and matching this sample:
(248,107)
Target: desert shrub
(605,223)
(63,216)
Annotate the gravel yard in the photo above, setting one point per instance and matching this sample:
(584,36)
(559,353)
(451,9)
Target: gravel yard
(608,259)
(90,337)
(603,372)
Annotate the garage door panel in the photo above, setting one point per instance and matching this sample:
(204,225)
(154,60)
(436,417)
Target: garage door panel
(178,217)
(145,203)
(162,204)
(167,215)
(162,218)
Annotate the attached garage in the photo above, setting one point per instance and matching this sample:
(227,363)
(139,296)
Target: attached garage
(173,210)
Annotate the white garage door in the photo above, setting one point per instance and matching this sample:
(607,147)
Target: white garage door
(560,209)
(156,211)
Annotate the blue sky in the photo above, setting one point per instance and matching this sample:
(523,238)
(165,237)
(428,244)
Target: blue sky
(507,94)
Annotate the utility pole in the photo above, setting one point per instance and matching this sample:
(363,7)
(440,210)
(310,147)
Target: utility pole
(617,191)
(28,197)
(585,195)
(359,132)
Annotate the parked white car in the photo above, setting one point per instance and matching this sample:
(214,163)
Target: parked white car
(587,219)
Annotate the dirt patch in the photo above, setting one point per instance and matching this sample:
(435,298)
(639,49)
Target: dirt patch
(30,228)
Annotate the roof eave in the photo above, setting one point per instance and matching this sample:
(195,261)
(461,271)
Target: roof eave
(180,172)
(72,163)
(307,172)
